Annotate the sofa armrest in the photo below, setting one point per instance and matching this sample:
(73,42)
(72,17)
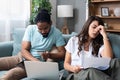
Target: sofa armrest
(6,48)
(115,43)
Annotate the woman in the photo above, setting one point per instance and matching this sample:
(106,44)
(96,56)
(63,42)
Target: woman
(92,41)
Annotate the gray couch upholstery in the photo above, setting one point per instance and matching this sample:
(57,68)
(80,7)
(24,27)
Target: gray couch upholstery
(11,48)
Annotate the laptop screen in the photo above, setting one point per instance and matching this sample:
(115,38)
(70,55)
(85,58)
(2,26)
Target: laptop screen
(42,70)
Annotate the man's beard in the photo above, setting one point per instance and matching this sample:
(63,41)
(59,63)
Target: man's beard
(45,35)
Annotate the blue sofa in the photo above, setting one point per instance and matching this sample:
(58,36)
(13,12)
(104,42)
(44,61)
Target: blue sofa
(11,48)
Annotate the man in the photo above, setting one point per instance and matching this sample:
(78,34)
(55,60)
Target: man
(37,44)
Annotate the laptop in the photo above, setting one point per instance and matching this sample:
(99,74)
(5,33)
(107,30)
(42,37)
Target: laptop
(42,70)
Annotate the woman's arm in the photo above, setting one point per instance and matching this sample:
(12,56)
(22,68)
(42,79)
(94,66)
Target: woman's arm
(68,66)
(107,51)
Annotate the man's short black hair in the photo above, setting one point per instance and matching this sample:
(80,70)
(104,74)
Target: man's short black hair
(43,16)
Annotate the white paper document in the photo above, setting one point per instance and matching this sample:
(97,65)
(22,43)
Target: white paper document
(99,63)
(94,62)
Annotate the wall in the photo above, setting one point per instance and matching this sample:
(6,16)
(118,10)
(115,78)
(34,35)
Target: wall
(53,11)
(75,23)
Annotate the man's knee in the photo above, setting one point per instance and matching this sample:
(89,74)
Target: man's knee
(15,74)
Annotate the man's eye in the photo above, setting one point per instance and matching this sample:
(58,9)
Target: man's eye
(47,28)
(94,27)
(39,29)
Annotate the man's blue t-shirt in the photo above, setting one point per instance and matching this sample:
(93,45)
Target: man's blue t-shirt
(39,43)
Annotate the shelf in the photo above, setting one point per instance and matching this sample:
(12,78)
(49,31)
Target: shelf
(105,1)
(112,21)
(109,17)
(113,30)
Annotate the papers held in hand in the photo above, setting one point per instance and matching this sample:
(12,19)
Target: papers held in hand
(93,62)
(99,63)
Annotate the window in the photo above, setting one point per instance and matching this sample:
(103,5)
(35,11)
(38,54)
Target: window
(13,13)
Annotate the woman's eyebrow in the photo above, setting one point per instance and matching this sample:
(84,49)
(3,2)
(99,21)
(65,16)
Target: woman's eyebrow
(95,25)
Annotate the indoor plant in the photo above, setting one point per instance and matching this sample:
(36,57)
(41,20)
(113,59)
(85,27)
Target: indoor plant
(37,5)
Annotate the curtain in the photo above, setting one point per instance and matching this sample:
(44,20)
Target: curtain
(13,14)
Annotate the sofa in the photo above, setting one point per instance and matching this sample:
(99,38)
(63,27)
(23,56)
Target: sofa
(11,48)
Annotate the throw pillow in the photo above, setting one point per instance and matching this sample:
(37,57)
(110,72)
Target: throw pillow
(17,38)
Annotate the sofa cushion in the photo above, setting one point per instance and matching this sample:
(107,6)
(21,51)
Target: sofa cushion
(68,36)
(17,38)
(115,42)
(6,48)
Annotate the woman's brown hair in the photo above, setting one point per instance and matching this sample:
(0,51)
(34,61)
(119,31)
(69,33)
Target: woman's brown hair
(83,35)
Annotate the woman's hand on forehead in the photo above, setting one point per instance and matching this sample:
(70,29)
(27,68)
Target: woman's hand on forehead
(101,29)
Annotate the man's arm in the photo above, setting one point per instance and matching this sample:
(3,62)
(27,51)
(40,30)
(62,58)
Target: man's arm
(56,53)
(59,55)
(26,51)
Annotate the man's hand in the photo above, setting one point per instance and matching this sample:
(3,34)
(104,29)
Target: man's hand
(45,55)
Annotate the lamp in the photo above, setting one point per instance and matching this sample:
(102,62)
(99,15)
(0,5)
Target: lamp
(65,11)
